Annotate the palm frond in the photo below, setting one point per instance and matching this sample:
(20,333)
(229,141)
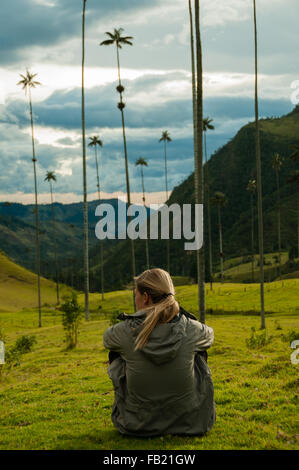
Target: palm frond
(107,42)
(110,35)
(124,41)
(141,161)
(50,176)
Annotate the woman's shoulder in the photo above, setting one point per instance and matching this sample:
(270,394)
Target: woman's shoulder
(187,314)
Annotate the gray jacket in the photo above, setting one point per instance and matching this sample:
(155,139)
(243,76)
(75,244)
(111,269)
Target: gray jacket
(166,387)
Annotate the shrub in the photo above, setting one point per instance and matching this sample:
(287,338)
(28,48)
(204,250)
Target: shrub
(71,318)
(13,354)
(25,343)
(256,341)
(2,335)
(113,318)
(12,358)
(292,335)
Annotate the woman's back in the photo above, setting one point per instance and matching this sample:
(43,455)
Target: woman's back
(165,387)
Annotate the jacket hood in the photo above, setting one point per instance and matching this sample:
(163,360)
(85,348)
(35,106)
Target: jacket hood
(165,339)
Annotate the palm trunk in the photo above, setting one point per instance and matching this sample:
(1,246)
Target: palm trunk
(252,237)
(297,221)
(199,188)
(220,242)
(85,209)
(210,238)
(166,186)
(209,217)
(194,106)
(55,250)
(146,241)
(259,181)
(101,241)
(278,222)
(36,218)
(127,175)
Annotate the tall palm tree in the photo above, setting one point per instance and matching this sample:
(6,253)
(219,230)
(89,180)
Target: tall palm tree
(142,162)
(85,207)
(198,151)
(259,179)
(119,40)
(195,139)
(220,201)
(50,176)
(165,137)
(95,142)
(276,165)
(27,83)
(208,126)
(294,178)
(251,187)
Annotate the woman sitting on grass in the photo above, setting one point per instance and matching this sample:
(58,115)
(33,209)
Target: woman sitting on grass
(158,366)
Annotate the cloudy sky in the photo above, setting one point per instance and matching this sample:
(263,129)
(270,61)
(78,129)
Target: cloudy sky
(45,36)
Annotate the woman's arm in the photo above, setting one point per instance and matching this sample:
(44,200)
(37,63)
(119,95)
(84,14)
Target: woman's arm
(204,336)
(113,337)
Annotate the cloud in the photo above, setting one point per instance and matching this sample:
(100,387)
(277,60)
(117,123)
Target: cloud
(29,23)
(46,35)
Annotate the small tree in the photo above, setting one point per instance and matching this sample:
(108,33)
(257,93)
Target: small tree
(71,317)
(11,357)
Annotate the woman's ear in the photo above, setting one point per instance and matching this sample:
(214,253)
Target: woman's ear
(147,299)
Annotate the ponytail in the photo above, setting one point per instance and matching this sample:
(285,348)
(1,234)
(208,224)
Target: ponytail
(159,286)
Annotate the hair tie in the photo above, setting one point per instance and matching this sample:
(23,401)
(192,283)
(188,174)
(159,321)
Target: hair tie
(166,295)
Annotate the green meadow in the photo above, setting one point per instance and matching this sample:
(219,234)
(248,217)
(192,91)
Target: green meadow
(58,399)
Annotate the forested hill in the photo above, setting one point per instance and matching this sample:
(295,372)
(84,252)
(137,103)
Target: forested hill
(229,170)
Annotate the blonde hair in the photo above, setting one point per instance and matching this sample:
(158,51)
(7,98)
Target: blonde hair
(158,284)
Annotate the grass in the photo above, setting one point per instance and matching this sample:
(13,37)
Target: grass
(18,287)
(235,270)
(280,297)
(59,399)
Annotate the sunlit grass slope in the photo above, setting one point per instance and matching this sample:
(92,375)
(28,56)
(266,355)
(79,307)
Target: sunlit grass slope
(280,297)
(18,287)
(236,270)
(62,400)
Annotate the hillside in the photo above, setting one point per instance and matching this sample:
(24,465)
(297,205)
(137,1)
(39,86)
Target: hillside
(17,235)
(229,170)
(18,287)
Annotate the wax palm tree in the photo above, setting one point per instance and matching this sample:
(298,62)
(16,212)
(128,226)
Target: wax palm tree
(28,83)
(208,126)
(50,176)
(85,206)
(294,179)
(259,179)
(195,139)
(165,137)
(95,142)
(251,187)
(119,40)
(276,165)
(197,89)
(142,162)
(220,201)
